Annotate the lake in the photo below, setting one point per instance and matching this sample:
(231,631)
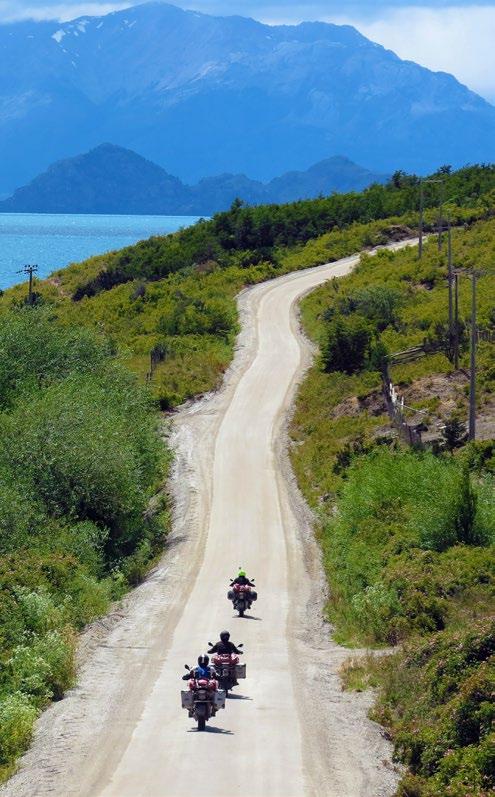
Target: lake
(52,241)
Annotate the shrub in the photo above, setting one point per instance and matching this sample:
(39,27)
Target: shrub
(377,303)
(89,451)
(454,432)
(346,345)
(35,351)
(401,544)
(43,669)
(437,700)
(17,716)
(19,518)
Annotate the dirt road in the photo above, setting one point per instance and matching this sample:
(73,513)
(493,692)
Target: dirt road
(288,731)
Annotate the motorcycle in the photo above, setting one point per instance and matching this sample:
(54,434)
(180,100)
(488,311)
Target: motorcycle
(241,596)
(228,670)
(203,699)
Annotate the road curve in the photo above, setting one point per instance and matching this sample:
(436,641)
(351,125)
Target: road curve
(235,507)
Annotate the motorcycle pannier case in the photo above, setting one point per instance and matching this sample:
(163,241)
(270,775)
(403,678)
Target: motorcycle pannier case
(187,698)
(240,670)
(219,698)
(231,594)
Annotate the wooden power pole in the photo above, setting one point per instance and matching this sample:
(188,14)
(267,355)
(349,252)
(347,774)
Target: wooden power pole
(472,370)
(29,269)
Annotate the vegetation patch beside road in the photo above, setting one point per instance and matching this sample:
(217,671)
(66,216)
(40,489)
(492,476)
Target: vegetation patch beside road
(79,459)
(408,536)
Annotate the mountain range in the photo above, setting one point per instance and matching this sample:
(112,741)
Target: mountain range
(111,179)
(202,95)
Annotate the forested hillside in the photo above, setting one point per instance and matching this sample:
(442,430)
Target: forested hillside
(174,295)
(111,179)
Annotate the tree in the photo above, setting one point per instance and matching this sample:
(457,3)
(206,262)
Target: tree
(453,432)
(347,344)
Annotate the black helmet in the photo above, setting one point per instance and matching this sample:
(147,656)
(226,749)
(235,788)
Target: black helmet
(203,660)
(225,636)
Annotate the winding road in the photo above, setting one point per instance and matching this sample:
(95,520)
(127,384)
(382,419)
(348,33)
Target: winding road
(288,730)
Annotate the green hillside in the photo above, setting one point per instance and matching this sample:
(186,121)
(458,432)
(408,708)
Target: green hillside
(73,528)
(408,536)
(175,294)
(79,459)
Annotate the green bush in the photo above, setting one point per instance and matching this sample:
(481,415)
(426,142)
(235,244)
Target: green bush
(35,351)
(17,716)
(437,700)
(44,668)
(402,544)
(376,303)
(79,458)
(87,452)
(347,343)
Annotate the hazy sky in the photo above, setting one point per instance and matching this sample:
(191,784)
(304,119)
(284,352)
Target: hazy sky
(457,36)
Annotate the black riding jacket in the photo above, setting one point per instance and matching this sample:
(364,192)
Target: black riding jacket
(224,647)
(243,581)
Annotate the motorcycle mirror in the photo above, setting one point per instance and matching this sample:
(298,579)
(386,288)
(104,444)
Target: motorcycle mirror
(187,667)
(240,645)
(210,644)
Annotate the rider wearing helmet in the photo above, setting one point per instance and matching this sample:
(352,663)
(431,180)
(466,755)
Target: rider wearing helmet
(241,579)
(224,645)
(203,670)
(244,582)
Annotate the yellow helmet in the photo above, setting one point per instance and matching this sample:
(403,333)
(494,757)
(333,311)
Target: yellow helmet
(242,572)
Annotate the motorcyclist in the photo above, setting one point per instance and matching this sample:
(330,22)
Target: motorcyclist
(203,670)
(242,579)
(225,646)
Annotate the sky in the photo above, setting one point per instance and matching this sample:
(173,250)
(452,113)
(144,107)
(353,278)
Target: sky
(456,36)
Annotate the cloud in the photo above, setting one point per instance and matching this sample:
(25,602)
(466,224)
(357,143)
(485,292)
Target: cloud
(459,40)
(12,11)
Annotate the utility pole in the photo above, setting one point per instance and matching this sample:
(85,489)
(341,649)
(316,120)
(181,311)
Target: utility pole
(421,218)
(422,182)
(450,278)
(440,216)
(29,269)
(472,374)
(456,321)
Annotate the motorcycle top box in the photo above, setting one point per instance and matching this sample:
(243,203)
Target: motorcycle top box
(240,671)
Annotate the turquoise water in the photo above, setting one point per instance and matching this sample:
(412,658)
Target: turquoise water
(54,240)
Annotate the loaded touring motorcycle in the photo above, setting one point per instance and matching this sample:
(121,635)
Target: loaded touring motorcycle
(203,698)
(242,596)
(227,669)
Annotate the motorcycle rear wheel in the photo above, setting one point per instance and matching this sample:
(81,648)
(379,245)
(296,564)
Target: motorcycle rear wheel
(201,723)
